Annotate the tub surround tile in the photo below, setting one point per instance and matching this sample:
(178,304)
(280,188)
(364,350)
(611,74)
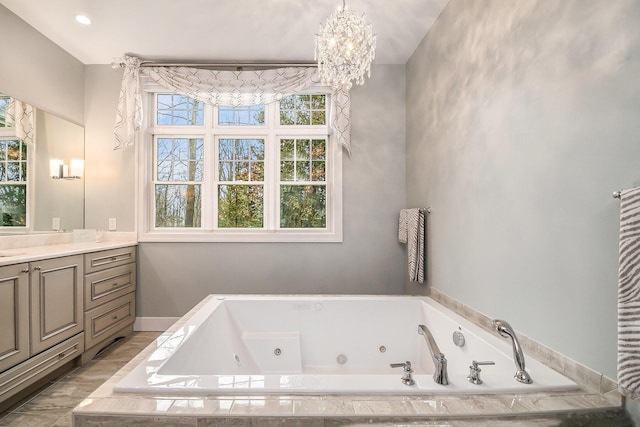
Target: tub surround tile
(323,407)
(429,407)
(474,405)
(386,408)
(608,385)
(223,422)
(276,406)
(117,406)
(543,404)
(107,421)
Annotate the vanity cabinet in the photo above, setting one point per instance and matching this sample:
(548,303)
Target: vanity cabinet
(109,302)
(56,301)
(59,310)
(41,321)
(14,315)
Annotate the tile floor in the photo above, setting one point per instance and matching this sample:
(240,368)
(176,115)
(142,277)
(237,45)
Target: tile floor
(52,406)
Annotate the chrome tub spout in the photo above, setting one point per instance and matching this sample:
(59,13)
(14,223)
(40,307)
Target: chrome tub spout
(440,375)
(505,330)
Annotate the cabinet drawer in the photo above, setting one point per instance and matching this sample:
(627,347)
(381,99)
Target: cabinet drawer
(96,261)
(36,368)
(106,285)
(108,318)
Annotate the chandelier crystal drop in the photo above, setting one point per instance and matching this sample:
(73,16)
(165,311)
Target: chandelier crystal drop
(345,48)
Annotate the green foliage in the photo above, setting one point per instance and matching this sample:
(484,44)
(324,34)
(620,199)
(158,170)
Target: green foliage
(302,160)
(13,205)
(303,110)
(13,169)
(303,206)
(240,206)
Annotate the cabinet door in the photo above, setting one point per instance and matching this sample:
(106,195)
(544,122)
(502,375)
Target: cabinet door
(14,315)
(56,301)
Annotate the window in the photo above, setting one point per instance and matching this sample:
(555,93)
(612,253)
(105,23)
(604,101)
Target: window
(13,173)
(248,173)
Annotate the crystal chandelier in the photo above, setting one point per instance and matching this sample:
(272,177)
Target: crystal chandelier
(345,48)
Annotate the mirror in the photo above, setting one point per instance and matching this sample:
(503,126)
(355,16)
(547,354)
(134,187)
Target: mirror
(53,204)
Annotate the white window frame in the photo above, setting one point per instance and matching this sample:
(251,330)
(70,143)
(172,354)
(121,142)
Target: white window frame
(208,232)
(9,133)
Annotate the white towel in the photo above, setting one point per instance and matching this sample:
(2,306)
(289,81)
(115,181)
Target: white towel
(629,294)
(411,230)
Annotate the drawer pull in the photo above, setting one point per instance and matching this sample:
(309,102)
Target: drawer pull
(115,285)
(114,258)
(25,270)
(38,268)
(61,356)
(115,317)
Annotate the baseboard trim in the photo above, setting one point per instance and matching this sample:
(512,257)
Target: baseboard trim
(153,324)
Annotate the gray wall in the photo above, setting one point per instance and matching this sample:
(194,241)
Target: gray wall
(522,119)
(39,72)
(110,176)
(175,276)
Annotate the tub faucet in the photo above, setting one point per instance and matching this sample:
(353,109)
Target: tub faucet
(505,330)
(440,375)
(406,379)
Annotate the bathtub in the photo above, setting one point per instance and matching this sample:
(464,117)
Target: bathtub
(245,345)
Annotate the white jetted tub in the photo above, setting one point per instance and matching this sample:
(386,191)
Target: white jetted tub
(241,345)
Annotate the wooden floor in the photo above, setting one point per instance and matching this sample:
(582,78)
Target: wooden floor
(52,405)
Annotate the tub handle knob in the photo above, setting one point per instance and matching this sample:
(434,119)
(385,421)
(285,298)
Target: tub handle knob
(474,371)
(406,379)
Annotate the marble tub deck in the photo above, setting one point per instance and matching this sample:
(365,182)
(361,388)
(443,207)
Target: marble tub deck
(105,408)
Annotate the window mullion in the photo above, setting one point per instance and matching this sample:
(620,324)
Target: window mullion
(271,172)
(210,184)
(214,178)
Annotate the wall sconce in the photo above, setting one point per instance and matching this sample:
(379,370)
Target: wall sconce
(59,170)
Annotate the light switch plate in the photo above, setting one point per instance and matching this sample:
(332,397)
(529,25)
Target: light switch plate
(112,224)
(55,224)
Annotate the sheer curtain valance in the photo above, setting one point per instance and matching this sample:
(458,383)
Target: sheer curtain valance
(20,116)
(216,87)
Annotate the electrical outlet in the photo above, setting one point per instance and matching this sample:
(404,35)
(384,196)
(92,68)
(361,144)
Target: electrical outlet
(112,224)
(55,224)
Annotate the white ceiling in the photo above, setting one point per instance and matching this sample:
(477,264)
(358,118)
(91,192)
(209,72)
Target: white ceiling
(219,30)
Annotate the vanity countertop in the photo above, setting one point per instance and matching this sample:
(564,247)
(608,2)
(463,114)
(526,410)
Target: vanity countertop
(35,253)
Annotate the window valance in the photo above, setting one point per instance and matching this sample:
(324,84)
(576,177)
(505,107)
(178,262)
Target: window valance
(20,116)
(220,87)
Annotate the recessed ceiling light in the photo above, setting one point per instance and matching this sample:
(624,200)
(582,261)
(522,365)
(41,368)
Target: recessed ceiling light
(83,19)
